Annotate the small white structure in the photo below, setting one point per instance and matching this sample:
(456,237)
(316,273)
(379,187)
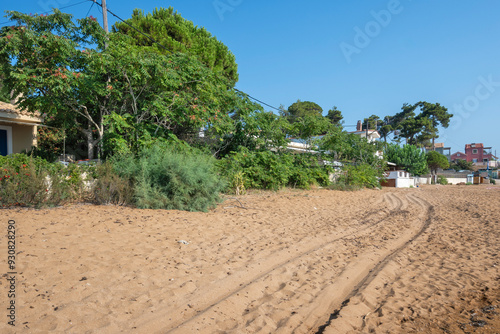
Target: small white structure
(398,179)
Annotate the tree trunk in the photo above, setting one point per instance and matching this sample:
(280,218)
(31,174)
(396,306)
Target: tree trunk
(90,143)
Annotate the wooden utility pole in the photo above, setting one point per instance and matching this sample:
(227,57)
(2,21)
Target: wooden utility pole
(104,16)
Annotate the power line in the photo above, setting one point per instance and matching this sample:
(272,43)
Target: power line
(253,98)
(91,6)
(78,3)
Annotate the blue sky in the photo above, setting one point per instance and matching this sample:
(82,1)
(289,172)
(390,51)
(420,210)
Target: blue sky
(365,57)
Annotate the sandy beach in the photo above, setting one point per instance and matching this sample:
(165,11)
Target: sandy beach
(422,260)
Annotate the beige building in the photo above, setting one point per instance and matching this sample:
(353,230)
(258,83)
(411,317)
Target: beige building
(18,129)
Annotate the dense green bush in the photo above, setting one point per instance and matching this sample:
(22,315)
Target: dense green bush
(171,178)
(359,176)
(269,170)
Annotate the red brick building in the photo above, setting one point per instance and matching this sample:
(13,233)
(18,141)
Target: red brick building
(458,156)
(478,153)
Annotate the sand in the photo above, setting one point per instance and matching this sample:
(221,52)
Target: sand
(423,260)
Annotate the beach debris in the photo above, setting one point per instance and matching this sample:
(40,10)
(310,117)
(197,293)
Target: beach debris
(236,206)
(83,278)
(184,242)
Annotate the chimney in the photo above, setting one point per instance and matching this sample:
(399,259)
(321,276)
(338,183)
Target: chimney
(359,126)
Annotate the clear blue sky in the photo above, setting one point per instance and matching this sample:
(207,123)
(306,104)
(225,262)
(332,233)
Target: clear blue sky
(365,57)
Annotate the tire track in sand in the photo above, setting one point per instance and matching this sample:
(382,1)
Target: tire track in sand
(426,218)
(222,290)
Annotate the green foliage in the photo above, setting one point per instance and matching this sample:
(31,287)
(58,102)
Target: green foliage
(121,97)
(334,115)
(436,160)
(49,144)
(359,176)
(308,126)
(408,157)
(442,180)
(461,164)
(302,109)
(269,170)
(348,147)
(254,129)
(179,35)
(261,169)
(306,172)
(373,122)
(171,178)
(422,128)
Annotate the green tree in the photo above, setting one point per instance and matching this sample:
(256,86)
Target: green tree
(309,126)
(254,129)
(373,122)
(122,95)
(408,157)
(348,147)
(422,128)
(436,160)
(334,115)
(46,64)
(177,34)
(301,109)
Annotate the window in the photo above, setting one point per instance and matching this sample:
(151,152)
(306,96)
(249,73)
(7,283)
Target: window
(474,151)
(474,160)
(458,154)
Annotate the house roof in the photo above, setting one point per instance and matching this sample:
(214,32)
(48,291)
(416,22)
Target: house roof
(458,153)
(12,114)
(473,145)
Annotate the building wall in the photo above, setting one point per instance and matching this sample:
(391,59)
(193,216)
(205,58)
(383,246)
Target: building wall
(479,156)
(23,136)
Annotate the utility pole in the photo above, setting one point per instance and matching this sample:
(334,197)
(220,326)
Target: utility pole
(104,16)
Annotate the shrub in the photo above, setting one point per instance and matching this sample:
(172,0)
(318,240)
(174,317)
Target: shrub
(442,180)
(31,181)
(359,176)
(171,178)
(109,188)
(273,171)
(306,171)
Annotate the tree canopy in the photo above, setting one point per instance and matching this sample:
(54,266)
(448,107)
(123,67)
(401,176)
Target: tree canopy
(436,160)
(177,34)
(302,109)
(409,157)
(334,115)
(416,129)
(118,97)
